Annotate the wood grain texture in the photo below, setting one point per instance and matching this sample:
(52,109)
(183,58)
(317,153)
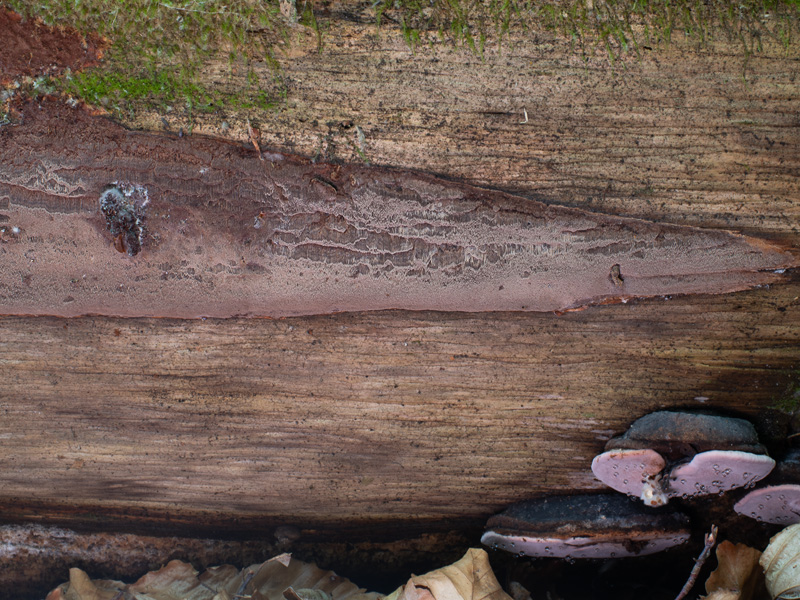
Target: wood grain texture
(366,417)
(340,422)
(688,135)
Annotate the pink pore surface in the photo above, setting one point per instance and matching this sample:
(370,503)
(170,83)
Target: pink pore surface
(718,471)
(628,471)
(608,546)
(779,504)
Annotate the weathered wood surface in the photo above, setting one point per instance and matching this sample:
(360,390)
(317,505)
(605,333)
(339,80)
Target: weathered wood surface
(198,227)
(423,417)
(363,417)
(682,134)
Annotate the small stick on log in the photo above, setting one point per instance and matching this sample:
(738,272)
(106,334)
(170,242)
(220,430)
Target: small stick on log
(254,137)
(710,540)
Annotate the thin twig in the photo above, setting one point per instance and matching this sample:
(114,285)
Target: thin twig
(254,135)
(194,10)
(710,540)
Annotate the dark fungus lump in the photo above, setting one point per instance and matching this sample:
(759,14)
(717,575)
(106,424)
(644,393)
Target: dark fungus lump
(123,207)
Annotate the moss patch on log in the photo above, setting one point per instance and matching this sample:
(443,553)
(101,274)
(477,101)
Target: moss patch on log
(159,48)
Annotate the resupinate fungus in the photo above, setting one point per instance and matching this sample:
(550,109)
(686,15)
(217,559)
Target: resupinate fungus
(667,454)
(588,526)
(334,237)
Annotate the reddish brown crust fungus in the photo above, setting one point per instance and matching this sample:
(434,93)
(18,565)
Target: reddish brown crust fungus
(228,234)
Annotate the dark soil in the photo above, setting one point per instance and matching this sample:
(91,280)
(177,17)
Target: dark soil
(31,48)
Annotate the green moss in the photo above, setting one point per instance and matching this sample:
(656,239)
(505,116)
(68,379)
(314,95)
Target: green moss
(104,88)
(159,46)
(309,19)
(162,90)
(614,27)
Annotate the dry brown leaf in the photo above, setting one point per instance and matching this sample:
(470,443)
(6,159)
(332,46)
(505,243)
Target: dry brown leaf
(738,575)
(412,592)
(175,581)
(781,562)
(180,581)
(471,578)
(272,578)
(305,594)
(722,595)
(284,558)
(81,587)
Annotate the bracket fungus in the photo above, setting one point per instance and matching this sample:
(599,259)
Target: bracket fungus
(636,472)
(666,454)
(778,502)
(718,471)
(592,526)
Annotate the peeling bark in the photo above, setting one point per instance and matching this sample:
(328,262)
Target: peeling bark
(102,220)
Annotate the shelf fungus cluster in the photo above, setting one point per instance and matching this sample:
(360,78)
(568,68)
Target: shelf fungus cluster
(590,526)
(663,455)
(674,454)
